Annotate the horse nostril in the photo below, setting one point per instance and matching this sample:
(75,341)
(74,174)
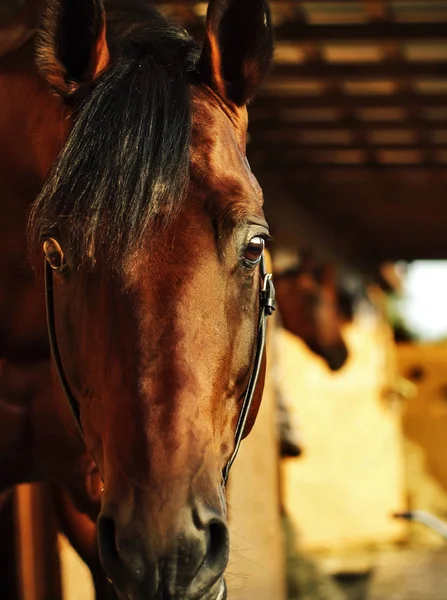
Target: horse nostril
(119,560)
(218,546)
(336,357)
(107,544)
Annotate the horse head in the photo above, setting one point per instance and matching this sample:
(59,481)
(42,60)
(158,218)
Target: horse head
(152,223)
(309,303)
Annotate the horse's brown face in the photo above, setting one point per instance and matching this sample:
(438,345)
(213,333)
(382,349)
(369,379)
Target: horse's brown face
(159,357)
(309,308)
(158,350)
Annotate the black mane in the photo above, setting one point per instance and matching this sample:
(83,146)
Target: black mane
(125,164)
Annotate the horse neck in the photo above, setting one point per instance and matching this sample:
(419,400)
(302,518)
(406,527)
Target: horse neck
(18,23)
(30,137)
(9,8)
(32,125)
(32,120)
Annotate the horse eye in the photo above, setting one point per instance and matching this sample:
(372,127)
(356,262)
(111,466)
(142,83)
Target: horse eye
(254,250)
(53,254)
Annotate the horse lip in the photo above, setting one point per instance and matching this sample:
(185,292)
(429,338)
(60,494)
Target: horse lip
(222,593)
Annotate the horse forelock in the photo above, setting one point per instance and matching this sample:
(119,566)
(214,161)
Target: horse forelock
(125,165)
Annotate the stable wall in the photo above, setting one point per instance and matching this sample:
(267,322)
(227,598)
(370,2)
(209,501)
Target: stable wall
(425,427)
(342,493)
(257,565)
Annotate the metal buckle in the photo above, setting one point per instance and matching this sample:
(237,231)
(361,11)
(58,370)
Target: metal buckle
(267,296)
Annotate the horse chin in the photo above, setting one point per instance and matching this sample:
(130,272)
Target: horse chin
(212,595)
(222,593)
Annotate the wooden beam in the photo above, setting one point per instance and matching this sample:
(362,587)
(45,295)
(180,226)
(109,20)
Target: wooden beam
(292,142)
(354,236)
(276,130)
(36,544)
(334,99)
(376,32)
(395,69)
(266,123)
(432,174)
(280,160)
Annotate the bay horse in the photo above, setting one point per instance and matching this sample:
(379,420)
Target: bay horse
(313,306)
(123,148)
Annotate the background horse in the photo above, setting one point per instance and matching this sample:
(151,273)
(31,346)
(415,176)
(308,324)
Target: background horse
(313,306)
(133,139)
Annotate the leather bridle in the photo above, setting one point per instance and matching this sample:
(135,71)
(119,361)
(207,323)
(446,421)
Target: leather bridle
(266,308)
(54,347)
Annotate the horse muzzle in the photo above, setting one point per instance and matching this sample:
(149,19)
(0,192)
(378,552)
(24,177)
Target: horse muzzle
(221,594)
(141,568)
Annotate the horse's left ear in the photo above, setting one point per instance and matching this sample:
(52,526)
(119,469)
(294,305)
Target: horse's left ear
(238,48)
(72,48)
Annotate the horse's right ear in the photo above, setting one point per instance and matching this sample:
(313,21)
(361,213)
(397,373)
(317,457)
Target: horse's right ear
(72,48)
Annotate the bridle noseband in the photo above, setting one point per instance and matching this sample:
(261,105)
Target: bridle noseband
(266,308)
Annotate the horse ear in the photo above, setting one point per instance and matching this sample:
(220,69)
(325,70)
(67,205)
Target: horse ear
(72,48)
(238,48)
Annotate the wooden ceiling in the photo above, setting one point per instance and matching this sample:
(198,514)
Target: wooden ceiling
(350,132)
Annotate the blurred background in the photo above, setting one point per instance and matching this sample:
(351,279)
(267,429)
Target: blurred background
(349,142)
